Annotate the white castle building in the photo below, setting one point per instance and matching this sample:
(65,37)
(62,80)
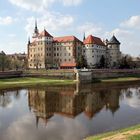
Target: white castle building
(94,48)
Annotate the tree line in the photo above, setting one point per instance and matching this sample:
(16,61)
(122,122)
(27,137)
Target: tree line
(126,62)
(18,63)
(9,63)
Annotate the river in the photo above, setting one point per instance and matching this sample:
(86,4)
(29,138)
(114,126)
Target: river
(67,112)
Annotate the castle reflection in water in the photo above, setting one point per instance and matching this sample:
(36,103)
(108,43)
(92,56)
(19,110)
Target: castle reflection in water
(71,101)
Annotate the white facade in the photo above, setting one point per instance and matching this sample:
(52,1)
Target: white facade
(93,54)
(94,49)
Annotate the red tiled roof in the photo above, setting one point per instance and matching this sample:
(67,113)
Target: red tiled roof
(44,33)
(66,39)
(93,40)
(68,65)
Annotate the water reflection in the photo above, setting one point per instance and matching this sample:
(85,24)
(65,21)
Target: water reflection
(62,112)
(72,101)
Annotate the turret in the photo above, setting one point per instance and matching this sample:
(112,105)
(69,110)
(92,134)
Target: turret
(113,46)
(114,41)
(84,37)
(29,41)
(36,31)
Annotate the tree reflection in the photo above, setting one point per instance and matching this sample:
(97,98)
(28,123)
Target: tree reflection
(5,99)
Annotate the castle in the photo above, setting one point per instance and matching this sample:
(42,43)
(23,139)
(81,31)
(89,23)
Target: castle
(46,51)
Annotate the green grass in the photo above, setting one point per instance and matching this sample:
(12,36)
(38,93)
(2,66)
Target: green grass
(121,79)
(23,82)
(105,135)
(28,81)
(134,137)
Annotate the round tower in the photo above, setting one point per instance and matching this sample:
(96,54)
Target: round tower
(113,47)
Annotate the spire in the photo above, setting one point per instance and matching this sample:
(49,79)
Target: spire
(35,23)
(84,37)
(29,41)
(36,29)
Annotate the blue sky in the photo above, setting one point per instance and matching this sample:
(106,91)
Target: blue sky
(101,18)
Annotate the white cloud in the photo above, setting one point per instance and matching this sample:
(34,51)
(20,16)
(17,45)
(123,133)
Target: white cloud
(34,5)
(130,43)
(6,20)
(122,33)
(132,22)
(51,21)
(40,5)
(64,129)
(71,2)
(90,28)
(10,46)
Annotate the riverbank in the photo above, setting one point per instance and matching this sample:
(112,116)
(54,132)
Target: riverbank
(31,81)
(121,79)
(131,133)
(28,81)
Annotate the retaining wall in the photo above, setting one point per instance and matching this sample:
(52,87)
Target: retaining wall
(10,74)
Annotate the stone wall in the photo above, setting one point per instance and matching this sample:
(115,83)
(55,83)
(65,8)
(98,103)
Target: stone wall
(87,76)
(10,74)
(83,76)
(113,73)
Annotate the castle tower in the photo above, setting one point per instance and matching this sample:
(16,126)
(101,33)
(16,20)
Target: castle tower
(36,31)
(28,45)
(84,37)
(113,52)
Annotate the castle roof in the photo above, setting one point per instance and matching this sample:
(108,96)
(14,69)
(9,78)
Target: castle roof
(93,40)
(66,39)
(44,34)
(114,40)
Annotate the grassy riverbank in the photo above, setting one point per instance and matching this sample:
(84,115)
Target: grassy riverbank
(121,79)
(28,81)
(131,133)
(24,82)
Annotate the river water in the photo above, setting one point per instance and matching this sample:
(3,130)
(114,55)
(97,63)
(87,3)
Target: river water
(67,112)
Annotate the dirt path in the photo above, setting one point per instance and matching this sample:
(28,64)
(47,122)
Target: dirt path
(123,135)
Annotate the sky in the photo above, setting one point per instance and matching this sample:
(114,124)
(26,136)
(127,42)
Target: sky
(101,18)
